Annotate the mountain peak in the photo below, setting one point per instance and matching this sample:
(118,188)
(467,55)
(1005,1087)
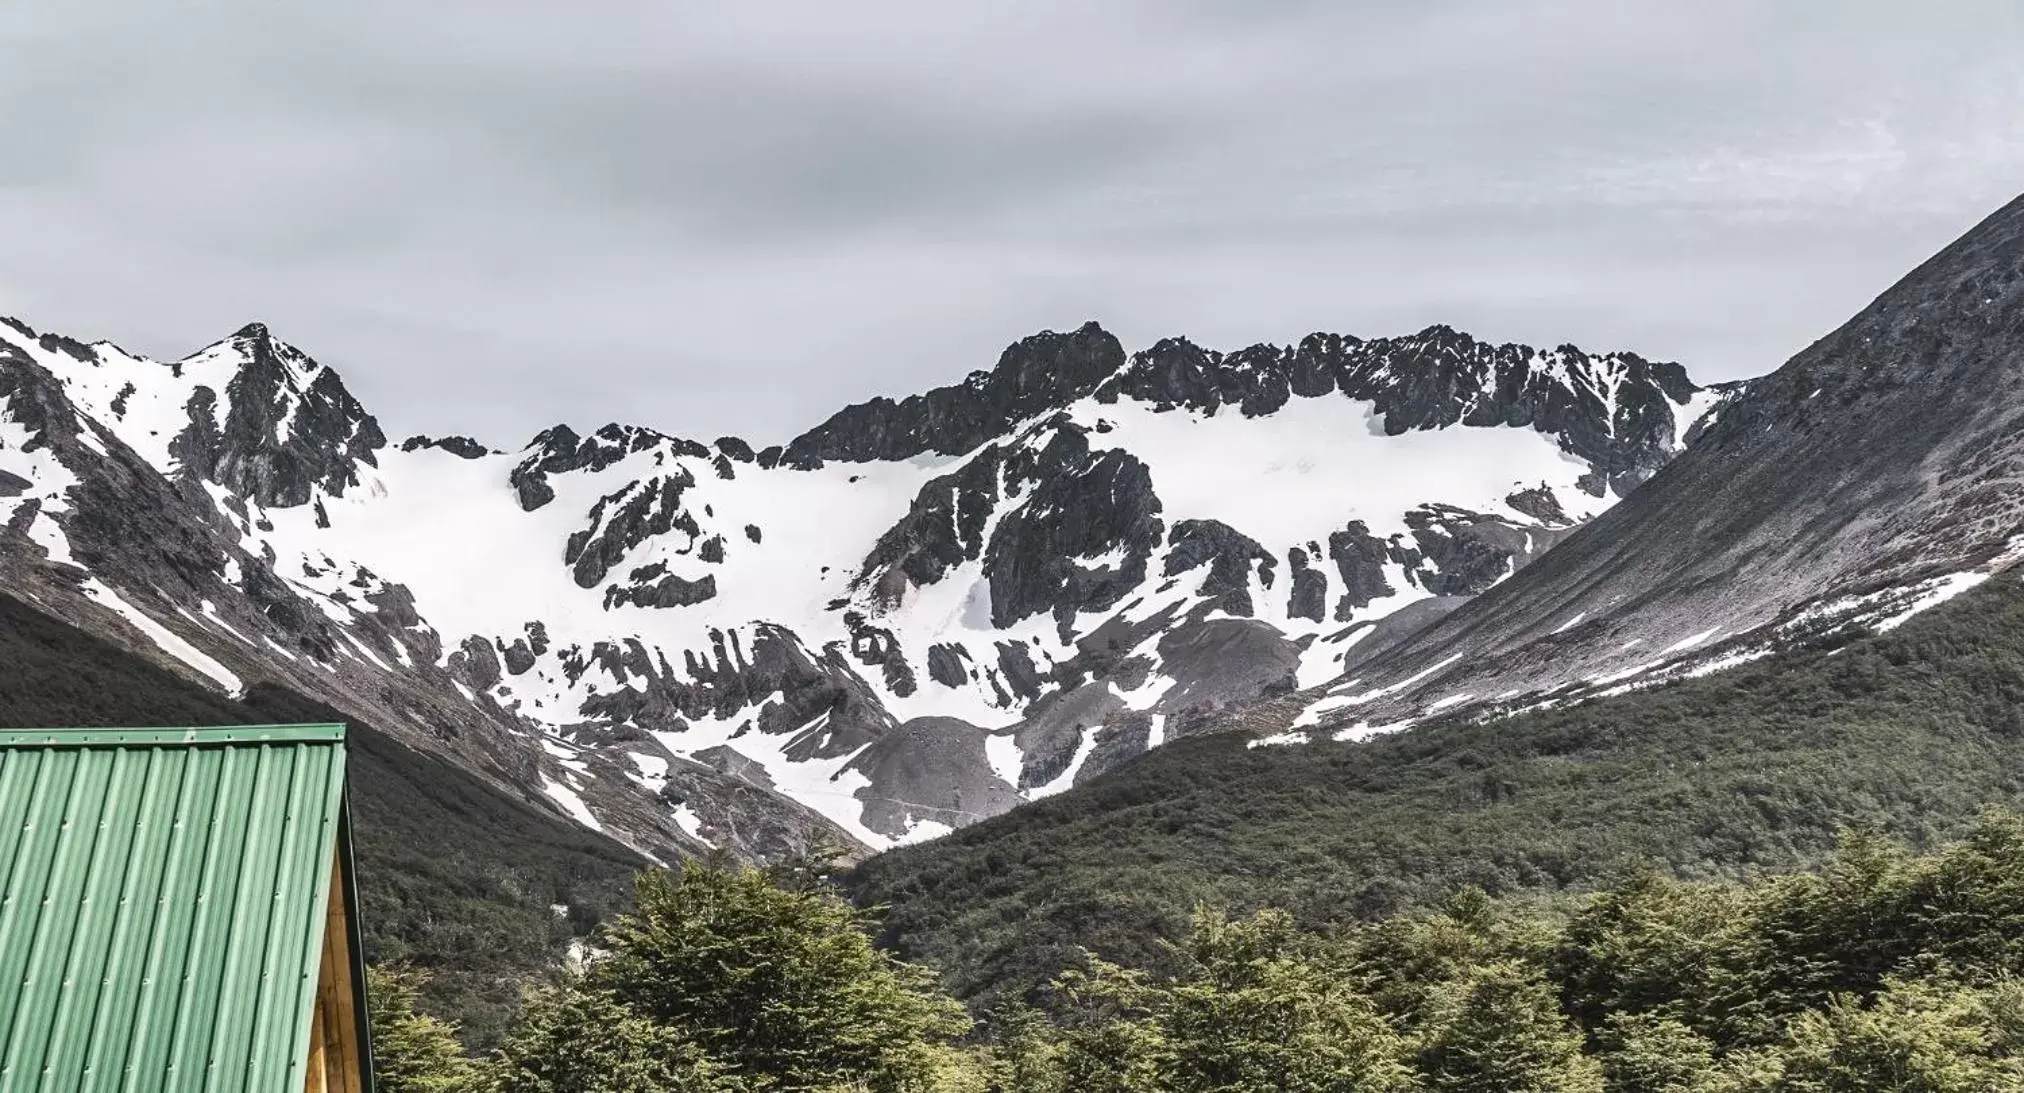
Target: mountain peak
(1037,373)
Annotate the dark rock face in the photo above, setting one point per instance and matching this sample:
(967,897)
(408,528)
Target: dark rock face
(1359,558)
(13,485)
(1232,558)
(518,657)
(1034,375)
(947,664)
(668,591)
(1540,504)
(475,664)
(1461,553)
(1015,666)
(623,520)
(1308,598)
(1081,506)
(1061,506)
(1177,372)
(875,646)
(943,528)
(463,447)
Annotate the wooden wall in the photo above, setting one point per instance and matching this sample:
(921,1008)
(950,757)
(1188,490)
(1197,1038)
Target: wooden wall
(336,1063)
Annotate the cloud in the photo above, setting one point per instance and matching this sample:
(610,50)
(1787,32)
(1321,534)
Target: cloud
(736,217)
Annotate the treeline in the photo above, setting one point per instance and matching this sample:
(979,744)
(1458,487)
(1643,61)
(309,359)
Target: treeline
(1884,970)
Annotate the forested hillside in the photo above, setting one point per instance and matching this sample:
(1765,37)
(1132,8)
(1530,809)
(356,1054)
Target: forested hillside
(1912,732)
(1882,971)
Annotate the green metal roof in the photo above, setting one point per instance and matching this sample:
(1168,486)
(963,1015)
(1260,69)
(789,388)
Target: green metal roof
(162,902)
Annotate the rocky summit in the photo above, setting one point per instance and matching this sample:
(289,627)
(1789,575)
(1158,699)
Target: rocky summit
(919,613)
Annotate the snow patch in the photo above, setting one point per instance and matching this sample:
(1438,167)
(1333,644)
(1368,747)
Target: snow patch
(570,802)
(168,641)
(690,823)
(1690,641)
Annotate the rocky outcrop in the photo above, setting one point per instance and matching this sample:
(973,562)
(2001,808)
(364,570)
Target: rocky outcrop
(1359,559)
(1081,537)
(1034,375)
(767,676)
(662,591)
(622,521)
(1232,558)
(463,447)
(1308,596)
(943,528)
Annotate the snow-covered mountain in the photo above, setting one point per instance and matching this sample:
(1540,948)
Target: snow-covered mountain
(917,614)
(1876,474)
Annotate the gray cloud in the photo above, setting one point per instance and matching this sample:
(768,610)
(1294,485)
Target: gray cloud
(736,217)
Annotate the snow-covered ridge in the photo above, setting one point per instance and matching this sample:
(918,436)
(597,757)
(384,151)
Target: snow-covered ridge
(898,643)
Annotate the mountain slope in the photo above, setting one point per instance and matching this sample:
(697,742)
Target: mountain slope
(918,614)
(1913,732)
(1876,472)
(1869,479)
(454,875)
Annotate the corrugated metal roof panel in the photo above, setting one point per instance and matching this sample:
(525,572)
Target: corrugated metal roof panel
(162,900)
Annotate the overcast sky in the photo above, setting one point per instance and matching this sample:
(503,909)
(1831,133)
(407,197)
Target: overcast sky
(738,216)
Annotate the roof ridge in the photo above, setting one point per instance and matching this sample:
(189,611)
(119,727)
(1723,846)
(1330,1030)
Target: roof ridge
(159,736)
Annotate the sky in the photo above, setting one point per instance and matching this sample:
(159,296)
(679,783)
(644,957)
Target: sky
(737,217)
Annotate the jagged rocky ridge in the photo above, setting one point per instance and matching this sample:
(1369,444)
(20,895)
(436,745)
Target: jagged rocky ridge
(919,613)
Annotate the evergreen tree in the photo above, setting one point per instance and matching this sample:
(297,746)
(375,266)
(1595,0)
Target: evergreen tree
(572,1040)
(1499,1029)
(1025,1052)
(412,1051)
(1252,1012)
(1649,1053)
(1648,944)
(1913,1038)
(1110,1042)
(784,984)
